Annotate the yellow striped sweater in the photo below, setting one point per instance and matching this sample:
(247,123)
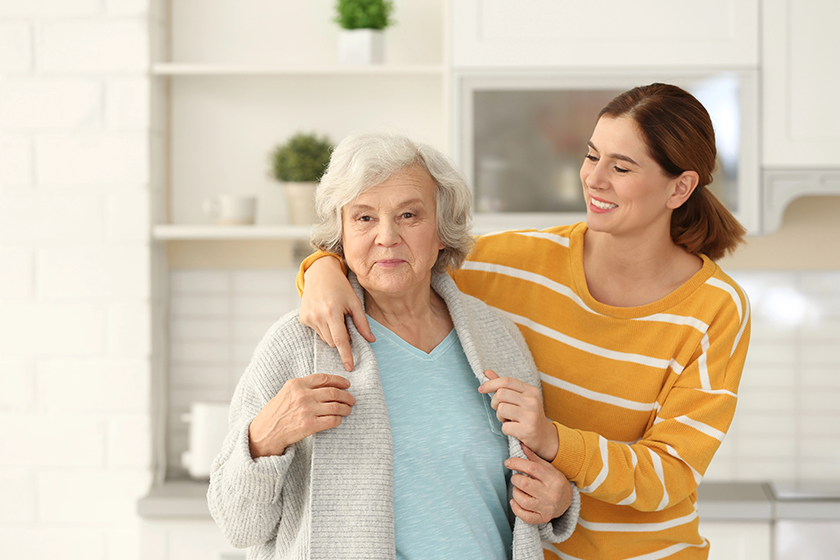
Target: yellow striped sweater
(641,397)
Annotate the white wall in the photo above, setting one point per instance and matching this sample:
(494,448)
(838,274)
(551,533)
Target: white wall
(75,445)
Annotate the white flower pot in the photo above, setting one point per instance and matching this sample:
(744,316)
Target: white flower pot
(300,203)
(361,47)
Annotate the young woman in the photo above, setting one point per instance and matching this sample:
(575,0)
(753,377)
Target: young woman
(639,337)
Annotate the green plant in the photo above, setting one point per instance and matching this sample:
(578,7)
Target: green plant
(303,158)
(364,14)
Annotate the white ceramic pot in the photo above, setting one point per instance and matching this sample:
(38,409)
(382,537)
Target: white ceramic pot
(360,47)
(300,203)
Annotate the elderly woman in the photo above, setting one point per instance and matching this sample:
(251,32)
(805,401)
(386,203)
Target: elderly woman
(403,456)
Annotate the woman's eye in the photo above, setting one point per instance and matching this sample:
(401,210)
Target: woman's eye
(621,170)
(591,158)
(406,215)
(364,218)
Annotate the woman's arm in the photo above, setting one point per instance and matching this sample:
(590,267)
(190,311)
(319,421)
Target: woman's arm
(668,462)
(325,299)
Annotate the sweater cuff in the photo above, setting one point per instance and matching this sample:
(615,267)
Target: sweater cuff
(559,529)
(261,479)
(571,452)
(307,262)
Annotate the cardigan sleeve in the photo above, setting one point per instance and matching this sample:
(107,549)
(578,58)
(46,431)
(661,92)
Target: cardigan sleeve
(665,466)
(245,496)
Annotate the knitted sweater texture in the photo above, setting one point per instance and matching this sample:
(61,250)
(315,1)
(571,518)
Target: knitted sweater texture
(330,496)
(642,396)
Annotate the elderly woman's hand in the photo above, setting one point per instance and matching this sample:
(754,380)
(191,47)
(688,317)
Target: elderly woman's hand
(541,492)
(303,406)
(327,298)
(519,407)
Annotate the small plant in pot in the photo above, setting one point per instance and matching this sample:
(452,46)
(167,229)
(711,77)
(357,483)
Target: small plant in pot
(362,21)
(299,164)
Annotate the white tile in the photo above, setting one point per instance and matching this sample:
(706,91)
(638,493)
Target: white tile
(820,282)
(720,469)
(16,160)
(200,306)
(50,8)
(129,329)
(826,400)
(272,282)
(199,352)
(128,103)
(94,385)
(17,385)
(188,376)
(819,423)
(54,216)
(15,47)
(17,268)
(49,329)
(251,331)
(128,218)
(95,46)
(774,353)
(762,375)
(45,541)
(74,441)
(769,447)
(820,353)
(202,329)
(257,306)
(129,442)
(764,469)
(124,542)
(106,272)
(778,401)
(819,470)
(97,496)
(17,486)
(201,281)
(765,425)
(820,447)
(817,377)
(823,329)
(93,159)
(51,104)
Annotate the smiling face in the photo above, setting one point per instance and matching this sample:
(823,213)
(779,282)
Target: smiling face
(626,191)
(389,234)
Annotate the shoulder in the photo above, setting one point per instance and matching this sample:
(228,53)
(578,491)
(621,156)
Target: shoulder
(726,293)
(287,345)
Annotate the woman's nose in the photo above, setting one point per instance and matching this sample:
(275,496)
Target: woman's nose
(593,177)
(388,233)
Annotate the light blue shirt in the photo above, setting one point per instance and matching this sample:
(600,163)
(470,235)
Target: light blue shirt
(450,483)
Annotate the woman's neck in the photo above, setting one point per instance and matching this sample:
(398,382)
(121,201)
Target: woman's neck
(634,271)
(421,319)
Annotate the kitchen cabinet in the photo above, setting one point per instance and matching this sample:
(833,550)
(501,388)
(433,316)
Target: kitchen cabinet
(801,126)
(742,540)
(607,34)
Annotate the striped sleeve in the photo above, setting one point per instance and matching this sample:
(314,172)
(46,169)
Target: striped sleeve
(690,421)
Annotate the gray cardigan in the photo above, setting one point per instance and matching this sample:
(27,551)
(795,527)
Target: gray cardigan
(330,495)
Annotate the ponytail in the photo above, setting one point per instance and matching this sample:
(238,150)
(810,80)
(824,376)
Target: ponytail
(704,225)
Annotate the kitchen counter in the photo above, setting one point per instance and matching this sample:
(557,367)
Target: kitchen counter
(717,501)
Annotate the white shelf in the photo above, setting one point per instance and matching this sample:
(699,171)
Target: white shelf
(171,232)
(179,69)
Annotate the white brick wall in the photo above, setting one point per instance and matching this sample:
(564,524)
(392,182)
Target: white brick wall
(75,296)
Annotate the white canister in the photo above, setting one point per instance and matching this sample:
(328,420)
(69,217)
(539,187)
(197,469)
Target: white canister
(231,209)
(208,428)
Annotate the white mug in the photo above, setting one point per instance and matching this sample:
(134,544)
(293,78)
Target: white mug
(208,428)
(231,209)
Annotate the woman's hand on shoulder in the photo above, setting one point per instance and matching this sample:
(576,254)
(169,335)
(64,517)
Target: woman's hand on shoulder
(519,407)
(327,298)
(304,406)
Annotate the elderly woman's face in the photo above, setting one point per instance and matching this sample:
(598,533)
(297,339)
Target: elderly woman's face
(390,236)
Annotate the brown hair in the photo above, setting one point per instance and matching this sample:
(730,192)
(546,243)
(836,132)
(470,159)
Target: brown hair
(680,137)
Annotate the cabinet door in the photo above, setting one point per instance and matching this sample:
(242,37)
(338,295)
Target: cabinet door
(801,77)
(739,540)
(609,33)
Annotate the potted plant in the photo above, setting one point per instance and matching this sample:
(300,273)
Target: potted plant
(362,21)
(298,164)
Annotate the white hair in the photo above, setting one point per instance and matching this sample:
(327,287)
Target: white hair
(367,159)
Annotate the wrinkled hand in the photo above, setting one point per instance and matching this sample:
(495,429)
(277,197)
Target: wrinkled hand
(541,492)
(327,298)
(303,406)
(519,407)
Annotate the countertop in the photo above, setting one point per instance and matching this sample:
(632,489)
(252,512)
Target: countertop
(717,501)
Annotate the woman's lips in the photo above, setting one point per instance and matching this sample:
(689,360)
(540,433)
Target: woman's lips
(389,263)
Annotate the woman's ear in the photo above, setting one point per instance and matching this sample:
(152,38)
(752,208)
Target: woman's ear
(685,185)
